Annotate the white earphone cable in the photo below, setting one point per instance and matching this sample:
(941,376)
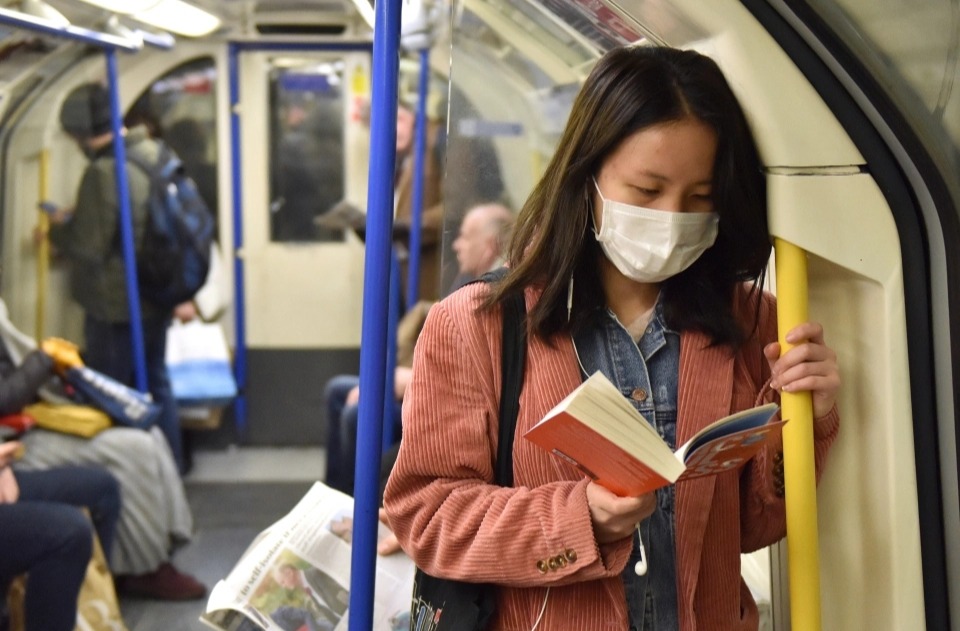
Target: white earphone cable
(543,608)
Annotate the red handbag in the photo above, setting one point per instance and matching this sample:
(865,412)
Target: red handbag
(20,423)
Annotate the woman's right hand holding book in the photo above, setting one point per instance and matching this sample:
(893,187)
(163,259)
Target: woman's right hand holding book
(616,517)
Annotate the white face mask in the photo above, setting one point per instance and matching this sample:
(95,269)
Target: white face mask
(649,245)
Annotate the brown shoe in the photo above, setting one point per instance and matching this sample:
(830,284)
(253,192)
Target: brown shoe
(164,583)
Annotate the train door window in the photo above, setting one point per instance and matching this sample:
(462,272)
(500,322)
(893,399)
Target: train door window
(306,147)
(180,109)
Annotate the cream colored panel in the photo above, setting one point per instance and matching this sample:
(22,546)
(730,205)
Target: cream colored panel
(843,218)
(304,296)
(871,574)
(298,296)
(792,123)
(39,129)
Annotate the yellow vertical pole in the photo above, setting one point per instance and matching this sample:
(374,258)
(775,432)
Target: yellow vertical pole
(803,550)
(43,249)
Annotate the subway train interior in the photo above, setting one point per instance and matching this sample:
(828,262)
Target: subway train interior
(269,104)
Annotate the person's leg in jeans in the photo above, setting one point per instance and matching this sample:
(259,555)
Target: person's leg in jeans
(53,543)
(155,342)
(90,487)
(338,475)
(45,534)
(347,450)
(108,350)
(349,421)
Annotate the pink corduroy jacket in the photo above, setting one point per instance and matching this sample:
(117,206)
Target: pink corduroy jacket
(455,523)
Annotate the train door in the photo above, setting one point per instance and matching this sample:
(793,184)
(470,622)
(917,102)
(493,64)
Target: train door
(303,148)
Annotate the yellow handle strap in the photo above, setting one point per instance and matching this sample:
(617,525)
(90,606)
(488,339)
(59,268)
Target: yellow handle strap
(43,249)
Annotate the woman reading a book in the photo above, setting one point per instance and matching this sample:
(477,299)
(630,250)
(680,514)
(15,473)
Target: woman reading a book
(641,254)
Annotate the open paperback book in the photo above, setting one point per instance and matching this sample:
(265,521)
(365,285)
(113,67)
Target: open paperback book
(296,574)
(598,430)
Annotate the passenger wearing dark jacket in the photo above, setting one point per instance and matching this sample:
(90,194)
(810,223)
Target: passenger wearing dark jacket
(88,235)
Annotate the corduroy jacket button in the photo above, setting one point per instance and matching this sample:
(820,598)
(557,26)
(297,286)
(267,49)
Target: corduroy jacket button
(571,555)
(542,566)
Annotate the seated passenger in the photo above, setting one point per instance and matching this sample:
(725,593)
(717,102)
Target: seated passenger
(43,534)
(155,516)
(342,394)
(483,233)
(479,246)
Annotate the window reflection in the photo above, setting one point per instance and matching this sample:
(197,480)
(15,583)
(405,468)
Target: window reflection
(180,109)
(306,149)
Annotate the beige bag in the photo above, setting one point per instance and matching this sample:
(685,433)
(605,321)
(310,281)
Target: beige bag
(97,606)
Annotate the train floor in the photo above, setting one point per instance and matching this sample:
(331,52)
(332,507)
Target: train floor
(237,492)
(234,493)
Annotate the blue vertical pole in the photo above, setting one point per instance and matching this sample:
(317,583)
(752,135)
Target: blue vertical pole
(126,225)
(240,354)
(393,316)
(383,141)
(416,201)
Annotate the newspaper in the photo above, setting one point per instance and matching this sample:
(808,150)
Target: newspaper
(296,574)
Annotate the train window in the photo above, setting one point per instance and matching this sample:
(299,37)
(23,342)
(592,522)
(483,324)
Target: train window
(498,141)
(920,72)
(180,108)
(306,147)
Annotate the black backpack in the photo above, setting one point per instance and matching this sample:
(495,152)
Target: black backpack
(174,255)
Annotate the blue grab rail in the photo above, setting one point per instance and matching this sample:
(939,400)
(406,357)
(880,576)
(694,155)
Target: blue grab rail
(373,355)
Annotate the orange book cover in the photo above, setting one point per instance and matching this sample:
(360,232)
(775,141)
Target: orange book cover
(599,431)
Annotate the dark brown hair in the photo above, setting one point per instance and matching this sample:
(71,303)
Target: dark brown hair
(630,89)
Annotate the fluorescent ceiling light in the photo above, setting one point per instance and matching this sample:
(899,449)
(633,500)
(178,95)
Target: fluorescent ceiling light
(39,9)
(113,27)
(178,16)
(123,6)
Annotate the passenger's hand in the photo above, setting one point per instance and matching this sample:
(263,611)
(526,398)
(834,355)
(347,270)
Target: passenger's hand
(9,490)
(616,517)
(62,216)
(353,397)
(40,234)
(809,365)
(401,379)
(185,311)
(64,353)
(57,214)
(389,544)
(10,451)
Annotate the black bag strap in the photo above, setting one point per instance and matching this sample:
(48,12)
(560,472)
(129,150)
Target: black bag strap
(512,365)
(470,606)
(513,356)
